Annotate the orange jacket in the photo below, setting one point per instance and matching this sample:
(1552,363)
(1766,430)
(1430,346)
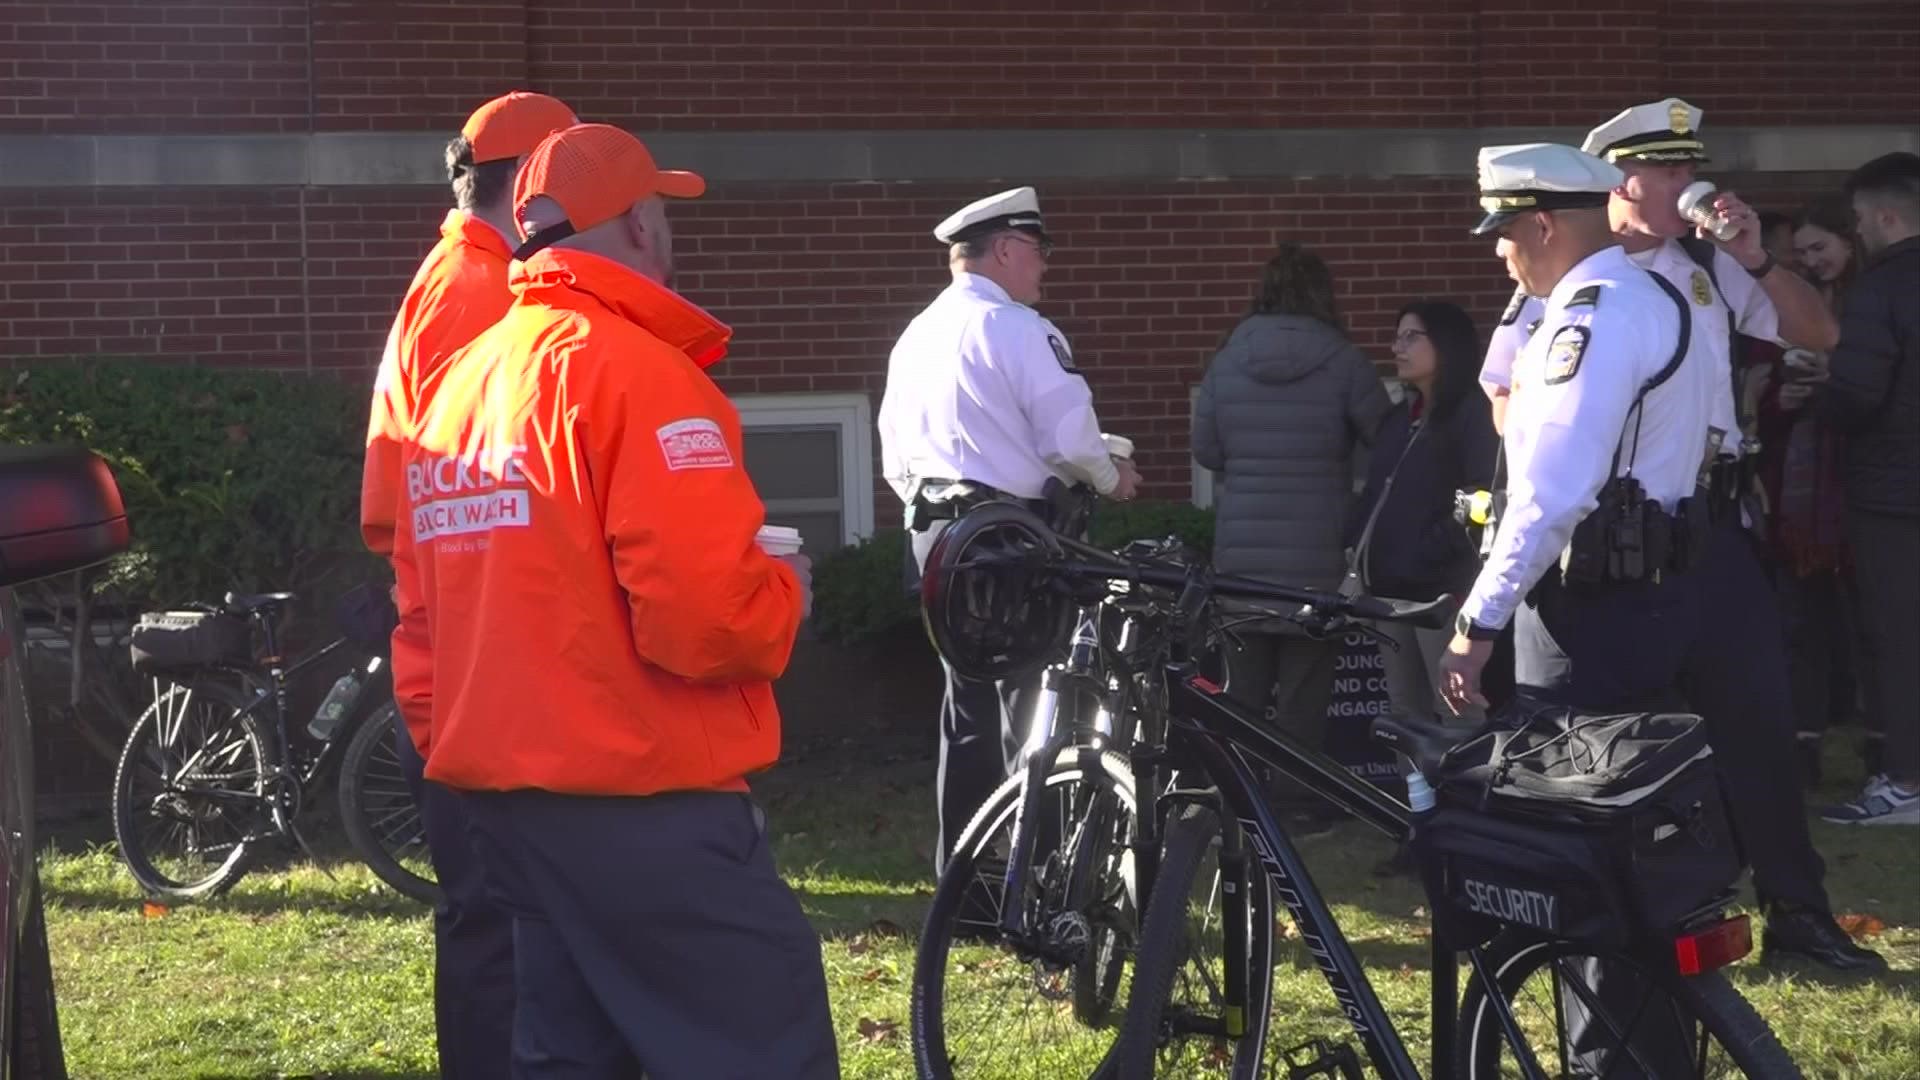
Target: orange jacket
(578,552)
(459,290)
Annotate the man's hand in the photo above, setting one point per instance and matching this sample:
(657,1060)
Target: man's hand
(803,569)
(1460,671)
(1129,484)
(1745,247)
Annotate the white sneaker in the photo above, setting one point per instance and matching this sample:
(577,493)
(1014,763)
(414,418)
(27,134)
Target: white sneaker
(1881,803)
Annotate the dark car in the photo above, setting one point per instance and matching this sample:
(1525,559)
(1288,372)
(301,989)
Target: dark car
(59,511)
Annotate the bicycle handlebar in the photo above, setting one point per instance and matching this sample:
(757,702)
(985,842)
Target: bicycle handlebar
(1195,582)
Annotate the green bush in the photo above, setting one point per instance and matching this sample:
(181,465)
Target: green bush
(233,480)
(858,598)
(859,591)
(1115,524)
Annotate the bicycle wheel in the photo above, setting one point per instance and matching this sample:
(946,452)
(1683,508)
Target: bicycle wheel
(1086,925)
(1647,1022)
(377,809)
(1176,1025)
(189,794)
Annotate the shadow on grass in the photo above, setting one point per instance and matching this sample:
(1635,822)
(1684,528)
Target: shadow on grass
(383,905)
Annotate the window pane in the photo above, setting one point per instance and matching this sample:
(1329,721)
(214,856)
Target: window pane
(794,463)
(821,531)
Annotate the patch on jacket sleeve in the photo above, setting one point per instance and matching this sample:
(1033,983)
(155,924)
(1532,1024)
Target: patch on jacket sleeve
(1587,297)
(694,443)
(1514,305)
(1061,354)
(1564,353)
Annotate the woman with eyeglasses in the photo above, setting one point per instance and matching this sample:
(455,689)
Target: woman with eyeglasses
(1402,534)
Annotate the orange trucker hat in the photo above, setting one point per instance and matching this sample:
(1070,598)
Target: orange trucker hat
(513,124)
(595,172)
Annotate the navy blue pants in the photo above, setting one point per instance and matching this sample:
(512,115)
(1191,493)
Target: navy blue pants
(1710,642)
(653,935)
(984,725)
(472,934)
(1739,679)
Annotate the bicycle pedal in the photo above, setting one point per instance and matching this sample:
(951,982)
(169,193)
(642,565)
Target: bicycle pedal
(1327,1059)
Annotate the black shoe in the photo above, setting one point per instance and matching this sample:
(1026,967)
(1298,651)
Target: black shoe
(1806,934)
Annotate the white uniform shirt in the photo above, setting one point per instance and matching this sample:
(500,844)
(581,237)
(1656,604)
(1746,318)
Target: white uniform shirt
(1573,387)
(983,388)
(1753,309)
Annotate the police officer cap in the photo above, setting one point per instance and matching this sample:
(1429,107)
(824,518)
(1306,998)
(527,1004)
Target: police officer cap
(1540,176)
(1659,131)
(1016,209)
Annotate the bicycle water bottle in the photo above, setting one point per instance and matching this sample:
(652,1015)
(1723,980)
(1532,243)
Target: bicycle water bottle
(334,708)
(1419,793)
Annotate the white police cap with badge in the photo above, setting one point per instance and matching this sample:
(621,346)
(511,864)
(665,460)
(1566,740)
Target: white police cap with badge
(1540,176)
(1663,132)
(1015,209)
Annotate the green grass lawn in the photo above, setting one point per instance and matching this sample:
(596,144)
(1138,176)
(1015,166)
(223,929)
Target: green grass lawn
(299,974)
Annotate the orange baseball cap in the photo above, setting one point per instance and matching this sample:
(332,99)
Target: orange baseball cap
(513,124)
(596,172)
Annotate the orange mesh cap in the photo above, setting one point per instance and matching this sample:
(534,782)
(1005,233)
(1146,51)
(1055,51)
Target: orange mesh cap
(596,172)
(513,124)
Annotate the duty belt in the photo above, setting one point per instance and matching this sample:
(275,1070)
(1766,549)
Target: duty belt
(937,499)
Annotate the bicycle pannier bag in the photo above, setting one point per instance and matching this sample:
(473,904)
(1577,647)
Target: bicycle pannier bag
(184,642)
(1596,829)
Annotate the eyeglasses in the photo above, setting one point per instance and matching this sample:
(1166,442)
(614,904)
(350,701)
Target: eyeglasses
(1406,337)
(1044,247)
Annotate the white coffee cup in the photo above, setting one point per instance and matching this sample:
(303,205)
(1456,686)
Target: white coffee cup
(1118,446)
(778,540)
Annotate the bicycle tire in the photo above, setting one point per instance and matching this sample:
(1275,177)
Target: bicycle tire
(133,852)
(928,1001)
(1727,1016)
(375,732)
(1163,951)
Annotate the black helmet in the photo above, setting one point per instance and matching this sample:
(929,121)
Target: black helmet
(989,602)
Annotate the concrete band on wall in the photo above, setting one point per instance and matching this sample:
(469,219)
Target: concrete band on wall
(334,159)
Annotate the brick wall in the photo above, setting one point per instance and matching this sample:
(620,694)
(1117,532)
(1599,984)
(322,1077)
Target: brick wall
(818,279)
(293,65)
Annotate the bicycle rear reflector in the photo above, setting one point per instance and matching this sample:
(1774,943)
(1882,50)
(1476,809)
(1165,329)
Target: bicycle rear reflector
(1715,947)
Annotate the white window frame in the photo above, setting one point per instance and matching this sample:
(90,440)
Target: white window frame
(1201,478)
(852,413)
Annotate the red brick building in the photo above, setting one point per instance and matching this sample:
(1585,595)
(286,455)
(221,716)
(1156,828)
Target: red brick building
(251,182)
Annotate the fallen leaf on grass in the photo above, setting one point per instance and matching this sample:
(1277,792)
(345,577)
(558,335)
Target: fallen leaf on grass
(859,945)
(152,910)
(874,975)
(877,1031)
(1860,926)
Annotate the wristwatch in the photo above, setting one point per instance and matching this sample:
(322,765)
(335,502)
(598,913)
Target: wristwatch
(1473,631)
(1766,266)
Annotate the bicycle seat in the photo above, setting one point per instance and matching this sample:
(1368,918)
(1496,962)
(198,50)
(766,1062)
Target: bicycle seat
(1425,741)
(249,603)
(1431,614)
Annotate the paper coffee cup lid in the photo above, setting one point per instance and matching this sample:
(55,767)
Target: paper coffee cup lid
(779,532)
(1118,445)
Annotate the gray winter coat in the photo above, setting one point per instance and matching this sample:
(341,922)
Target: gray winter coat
(1285,403)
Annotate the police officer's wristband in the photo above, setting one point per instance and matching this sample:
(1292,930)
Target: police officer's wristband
(1473,631)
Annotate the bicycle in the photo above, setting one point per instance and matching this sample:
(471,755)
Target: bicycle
(212,769)
(1042,890)
(1216,808)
